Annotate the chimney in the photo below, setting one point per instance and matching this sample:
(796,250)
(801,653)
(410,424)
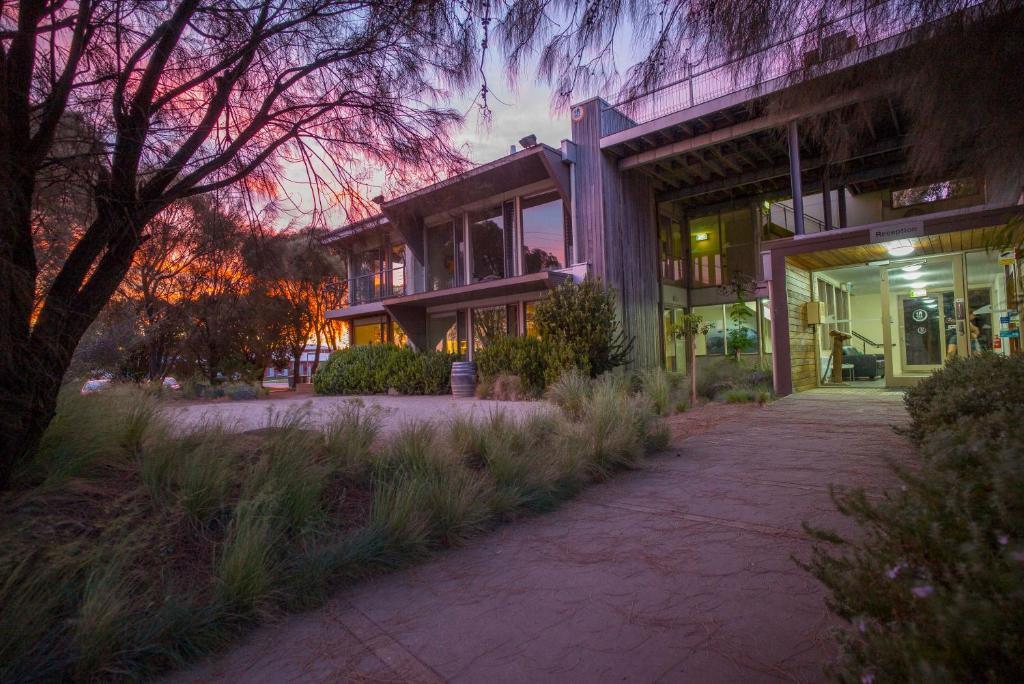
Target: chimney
(528,141)
(512,149)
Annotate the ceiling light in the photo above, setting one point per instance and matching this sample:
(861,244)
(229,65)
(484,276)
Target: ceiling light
(700,237)
(900,248)
(911,268)
(930,300)
(932,306)
(918,293)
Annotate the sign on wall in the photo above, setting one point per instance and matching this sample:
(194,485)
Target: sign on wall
(900,231)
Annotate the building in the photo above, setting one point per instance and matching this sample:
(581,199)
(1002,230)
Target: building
(306,360)
(668,197)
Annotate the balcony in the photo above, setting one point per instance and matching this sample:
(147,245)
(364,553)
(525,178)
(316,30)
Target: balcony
(373,287)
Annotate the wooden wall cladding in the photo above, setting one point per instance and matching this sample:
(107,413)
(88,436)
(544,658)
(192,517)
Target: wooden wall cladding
(803,349)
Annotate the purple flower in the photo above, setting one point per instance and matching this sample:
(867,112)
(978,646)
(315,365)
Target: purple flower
(1003,539)
(895,570)
(923,591)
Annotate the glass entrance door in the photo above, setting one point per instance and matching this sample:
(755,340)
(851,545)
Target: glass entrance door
(925,315)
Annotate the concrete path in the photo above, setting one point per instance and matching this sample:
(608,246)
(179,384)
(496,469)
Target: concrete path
(679,572)
(250,415)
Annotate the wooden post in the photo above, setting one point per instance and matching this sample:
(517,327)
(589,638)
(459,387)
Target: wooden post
(837,355)
(692,342)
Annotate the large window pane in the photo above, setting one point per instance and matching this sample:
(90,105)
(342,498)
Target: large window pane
(673,259)
(487,244)
(714,342)
(531,320)
(706,260)
(441,264)
(397,270)
(489,324)
(367,331)
(543,233)
(738,233)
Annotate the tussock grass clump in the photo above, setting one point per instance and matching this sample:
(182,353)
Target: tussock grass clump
(133,547)
(570,392)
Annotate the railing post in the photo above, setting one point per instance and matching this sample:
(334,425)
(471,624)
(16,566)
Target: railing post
(794,178)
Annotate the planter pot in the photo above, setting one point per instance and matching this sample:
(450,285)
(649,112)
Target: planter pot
(463,379)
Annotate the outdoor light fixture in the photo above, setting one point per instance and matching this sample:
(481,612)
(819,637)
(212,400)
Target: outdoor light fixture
(900,248)
(918,293)
(700,237)
(912,268)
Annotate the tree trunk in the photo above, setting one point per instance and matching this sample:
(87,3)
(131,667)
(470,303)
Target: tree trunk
(316,357)
(70,307)
(293,377)
(692,344)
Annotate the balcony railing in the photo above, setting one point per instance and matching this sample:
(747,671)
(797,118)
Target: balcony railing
(850,39)
(373,287)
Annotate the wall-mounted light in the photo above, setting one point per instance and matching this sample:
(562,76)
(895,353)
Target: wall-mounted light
(918,293)
(701,237)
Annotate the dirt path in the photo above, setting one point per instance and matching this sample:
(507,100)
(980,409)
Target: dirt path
(679,572)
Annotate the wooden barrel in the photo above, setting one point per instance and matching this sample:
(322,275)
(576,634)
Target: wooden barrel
(463,379)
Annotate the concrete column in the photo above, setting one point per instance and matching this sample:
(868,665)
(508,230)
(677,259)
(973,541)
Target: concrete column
(794,178)
(782,367)
(841,193)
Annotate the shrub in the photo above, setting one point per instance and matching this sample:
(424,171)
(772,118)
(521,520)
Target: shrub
(571,393)
(722,375)
(509,388)
(241,391)
(931,582)
(580,329)
(657,384)
(378,368)
(522,357)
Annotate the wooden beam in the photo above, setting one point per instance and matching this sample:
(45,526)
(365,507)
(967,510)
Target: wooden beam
(745,128)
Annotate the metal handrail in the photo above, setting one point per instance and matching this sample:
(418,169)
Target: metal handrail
(866,341)
(694,88)
(373,287)
(786,211)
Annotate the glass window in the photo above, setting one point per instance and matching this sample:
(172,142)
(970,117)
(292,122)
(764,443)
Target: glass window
(368,276)
(441,263)
(367,331)
(487,244)
(397,270)
(488,324)
(934,192)
(675,347)
(398,336)
(738,237)
(673,257)
(443,333)
(543,233)
(531,320)
(766,327)
(707,262)
(714,342)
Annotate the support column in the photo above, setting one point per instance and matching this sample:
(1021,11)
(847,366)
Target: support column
(826,199)
(782,365)
(841,192)
(794,178)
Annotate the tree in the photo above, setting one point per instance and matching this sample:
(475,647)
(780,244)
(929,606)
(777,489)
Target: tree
(688,328)
(297,269)
(177,99)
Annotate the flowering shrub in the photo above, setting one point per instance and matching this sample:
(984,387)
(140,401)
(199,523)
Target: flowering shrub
(933,588)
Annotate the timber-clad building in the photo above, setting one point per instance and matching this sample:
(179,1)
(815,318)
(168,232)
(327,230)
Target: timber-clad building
(676,198)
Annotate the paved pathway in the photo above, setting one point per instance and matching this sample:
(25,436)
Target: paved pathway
(680,572)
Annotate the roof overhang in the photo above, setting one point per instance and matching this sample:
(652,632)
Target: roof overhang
(850,246)
(501,287)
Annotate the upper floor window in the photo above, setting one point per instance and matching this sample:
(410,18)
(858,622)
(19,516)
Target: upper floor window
(934,192)
(487,237)
(673,250)
(443,246)
(544,233)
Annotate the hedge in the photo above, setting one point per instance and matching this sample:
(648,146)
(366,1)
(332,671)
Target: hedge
(378,368)
(523,357)
(933,583)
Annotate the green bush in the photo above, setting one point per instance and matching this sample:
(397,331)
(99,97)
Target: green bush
(580,329)
(931,583)
(241,391)
(522,357)
(716,378)
(378,368)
